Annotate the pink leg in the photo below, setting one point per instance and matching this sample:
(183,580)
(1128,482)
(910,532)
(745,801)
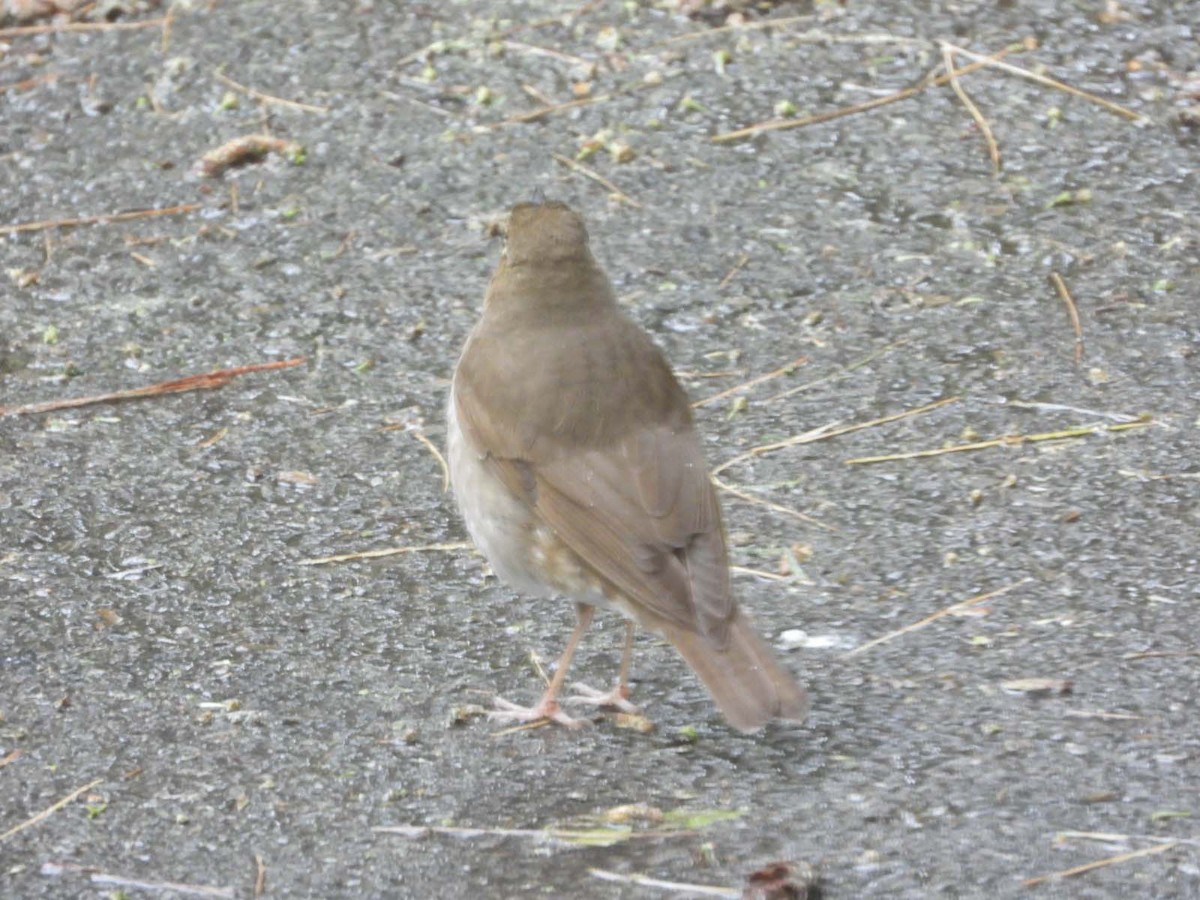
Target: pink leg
(618,697)
(547,707)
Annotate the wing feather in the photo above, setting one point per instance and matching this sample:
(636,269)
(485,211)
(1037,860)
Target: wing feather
(634,503)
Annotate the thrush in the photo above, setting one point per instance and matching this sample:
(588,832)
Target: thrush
(579,473)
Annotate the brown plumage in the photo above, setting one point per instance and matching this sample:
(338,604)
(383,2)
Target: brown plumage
(579,472)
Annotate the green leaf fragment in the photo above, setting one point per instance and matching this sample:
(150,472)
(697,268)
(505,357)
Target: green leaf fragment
(591,837)
(696,819)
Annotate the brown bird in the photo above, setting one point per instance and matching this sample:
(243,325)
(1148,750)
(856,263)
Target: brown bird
(579,473)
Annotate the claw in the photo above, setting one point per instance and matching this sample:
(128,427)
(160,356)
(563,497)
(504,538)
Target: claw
(546,710)
(617,698)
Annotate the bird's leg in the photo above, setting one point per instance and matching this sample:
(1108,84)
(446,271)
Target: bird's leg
(547,707)
(618,697)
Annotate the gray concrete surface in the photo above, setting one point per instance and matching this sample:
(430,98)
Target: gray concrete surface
(159,636)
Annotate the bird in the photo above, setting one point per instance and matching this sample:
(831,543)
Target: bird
(578,470)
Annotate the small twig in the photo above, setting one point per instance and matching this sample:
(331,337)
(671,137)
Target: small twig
(830,115)
(952,610)
(99,220)
(984,128)
(533,50)
(694,375)
(416,54)
(839,375)
(1101,714)
(596,177)
(174,887)
(349,239)
(533,115)
(267,98)
(813,434)
(737,267)
(390,551)
(538,668)
(1109,837)
(994,61)
(23,30)
(786,369)
(1065,295)
(11,757)
(542,111)
(760,573)
(1079,410)
(1159,654)
(759,501)
(699,890)
(549,20)
(419,831)
(437,454)
(204,382)
(168,22)
(524,726)
(120,881)
(48,811)
(29,82)
(537,95)
(132,572)
(829,431)
(747,26)
(578,837)
(1100,863)
(1158,476)
(437,110)
(817,36)
(1012,440)
(260,876)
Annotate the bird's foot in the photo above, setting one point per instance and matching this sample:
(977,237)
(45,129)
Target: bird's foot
(546,710)
(615,699)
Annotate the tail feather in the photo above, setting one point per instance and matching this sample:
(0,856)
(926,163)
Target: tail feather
(745,680)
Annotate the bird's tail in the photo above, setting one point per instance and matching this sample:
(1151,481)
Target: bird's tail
(746,681)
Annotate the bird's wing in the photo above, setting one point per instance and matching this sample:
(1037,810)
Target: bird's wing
(645,517)
(641,513)
(615,468)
